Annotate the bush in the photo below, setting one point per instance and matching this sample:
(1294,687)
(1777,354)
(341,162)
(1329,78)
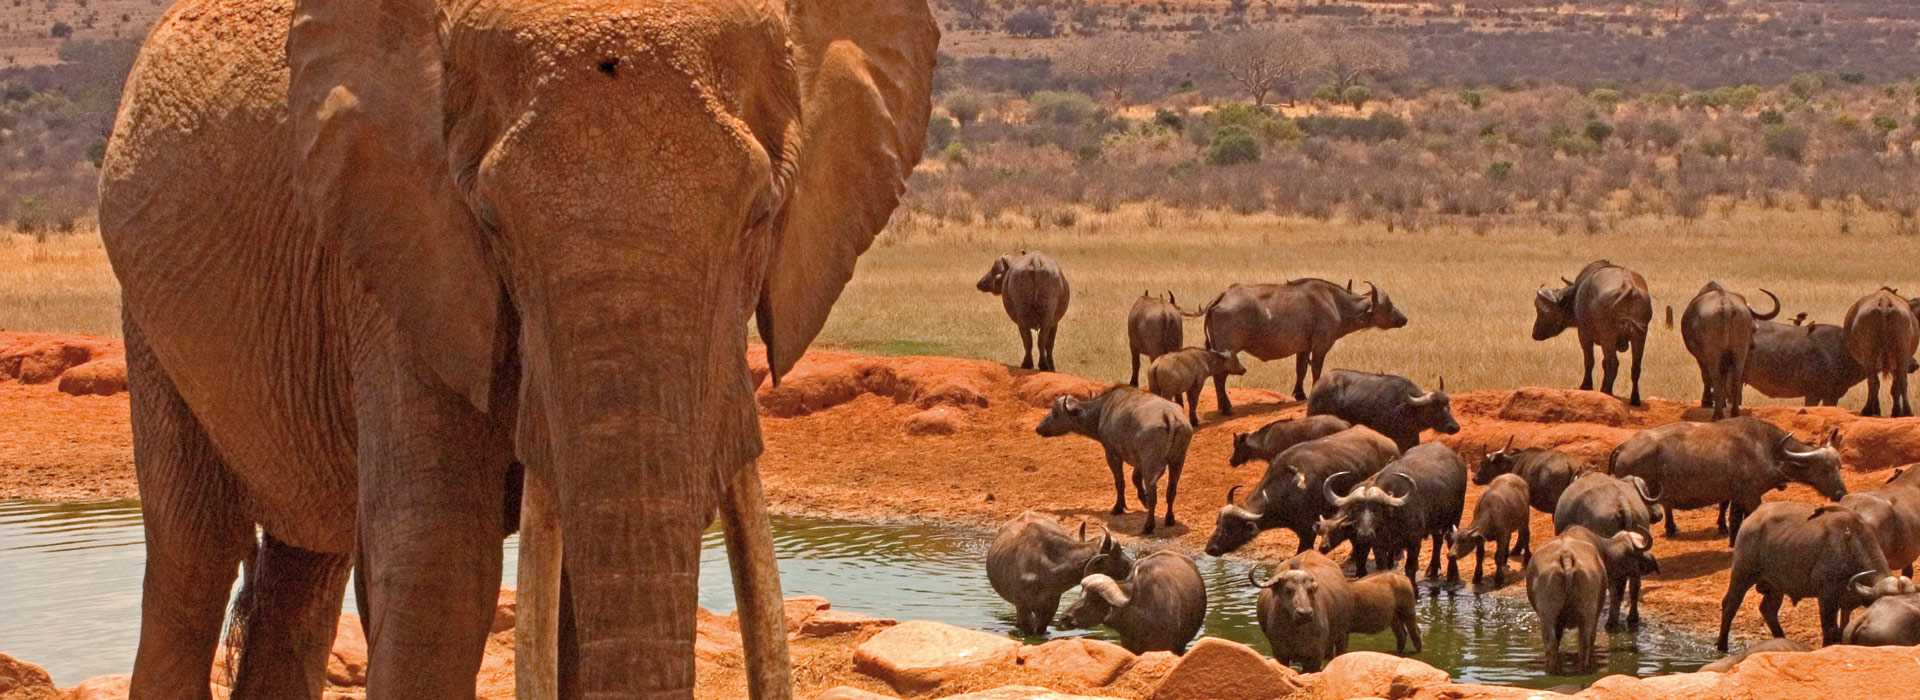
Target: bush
(1598,131)
(1233,145)
(1257,120)
(1788,142)
(1499,170)
(1327,93)
(1169,119)
(940,132)
(1885,123)
(966,105)
(1772,116)
(60,30)
(1066,108)
(1356,95)
(1805,85)
(1853,77)
(1473,99)
(1030,24)
(956,154)
(1663,134)
(1607,98)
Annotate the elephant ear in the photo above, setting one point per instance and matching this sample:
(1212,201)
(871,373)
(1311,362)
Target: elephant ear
(372,170)
(866,71)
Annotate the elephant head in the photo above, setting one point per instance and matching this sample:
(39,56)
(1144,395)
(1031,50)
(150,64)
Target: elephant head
(570,209)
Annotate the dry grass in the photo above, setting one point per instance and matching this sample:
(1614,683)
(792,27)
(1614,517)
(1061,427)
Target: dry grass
(60,283)
(1467,293)
(1466,289)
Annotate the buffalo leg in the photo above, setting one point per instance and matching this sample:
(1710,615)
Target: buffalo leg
(1480,556)
(1300,376)
(1633,603)
(1737,585)
(1500,554)
(1145,484)
(1736,390)
(1453,565)
(1173,489)
(1770,611)
(1639,353)
(1319,360)
(1873,396)
(1412,626)
(1550,640)
(1026,341)
(1586,353)
(1523,543)
(1221,401)
(1901,409)
(1193,405)
(1119,483)
(1706,383)
(1609,369)
(1737,515)
(1829,624)
(1047,335)
(1619,594)
(1722,522)
(1135,380)
(1588,631)
(1413,560)
(1672,529)
(1359,555)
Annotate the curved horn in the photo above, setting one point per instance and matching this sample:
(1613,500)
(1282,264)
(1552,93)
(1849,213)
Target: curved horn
(1863,590)
(1796,454)
(1640,485)
(1335,499)
(1083,531)
(1768,316)
(1503,450)
(1420,400)
(1238,511)
(1092,566)
(1108,589)
(1443,383)
(1401,500)
(1253,578)
(1568,281)
(1230,491)
(1546,294)
(1373,293)
(1642,538)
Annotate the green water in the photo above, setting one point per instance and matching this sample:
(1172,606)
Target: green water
(70,595)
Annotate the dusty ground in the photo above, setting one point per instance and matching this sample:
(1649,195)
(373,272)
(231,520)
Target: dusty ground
(839,444)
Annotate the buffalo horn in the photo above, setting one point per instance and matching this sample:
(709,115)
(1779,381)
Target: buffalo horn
(1768,316)
(1420,400)
(1401,500)
(1864,590)
(1093,565)
(1640,485)
(1335,499)
(1104,586)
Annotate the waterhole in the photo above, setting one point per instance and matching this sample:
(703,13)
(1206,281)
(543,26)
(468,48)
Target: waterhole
(70,595)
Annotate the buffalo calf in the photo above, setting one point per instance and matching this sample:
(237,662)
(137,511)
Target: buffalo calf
(1567,586)
(1153,329)
(1305,610)
(1179,376)
(1548,472)
(1273,438)
(1500,513)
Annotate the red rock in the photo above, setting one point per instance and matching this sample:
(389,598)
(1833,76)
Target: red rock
(1869,444)
(833,623)
(1091,660)
(1025,692)
(1217,669)
(102,377)
(347,663)
(917,656)
(20,680)
(1459,691)
(715,635)
(506,610)
(939,420)
(1679,685)
(847,692)
(41,358)
(797,610)
(1368,673)
(1542,405)
(1148,669)
(101,688)
(1041,388)
(1824,674)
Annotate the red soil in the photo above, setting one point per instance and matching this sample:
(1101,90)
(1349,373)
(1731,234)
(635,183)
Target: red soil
(951,440)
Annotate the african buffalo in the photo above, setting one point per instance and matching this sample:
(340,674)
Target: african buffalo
(1798,550)
(1384,601)
(1035,294)
(1610,307)
(1733,461)
(1133,427)
(1033,560)
(1300,319)
(1628,555)
(1892,512)
(1288,495)
(1153,329)
(1273,438)
(1180,375)
(1811,361)
(1882,334)
(1433,484)
(1607,504)
(1891,621)
(1718,329)
(1567,586)
(1548,472)
(1501,512)
(1305,609)
(1393,405)
(1160,606)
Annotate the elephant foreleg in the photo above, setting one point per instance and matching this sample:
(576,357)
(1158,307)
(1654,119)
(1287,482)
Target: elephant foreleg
(196,535)
(288,610)
(756,585)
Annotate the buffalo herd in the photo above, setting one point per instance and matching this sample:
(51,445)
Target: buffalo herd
(1354,471)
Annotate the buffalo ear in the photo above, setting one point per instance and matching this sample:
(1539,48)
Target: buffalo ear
(372,170)
(866,73)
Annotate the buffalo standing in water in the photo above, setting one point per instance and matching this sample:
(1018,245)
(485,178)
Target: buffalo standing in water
(1610,307)
(1035,294)
(1718,328)
(1299,319)
(1033,560)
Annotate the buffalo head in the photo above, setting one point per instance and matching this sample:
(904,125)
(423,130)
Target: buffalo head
(1100,595)
(1551,315)
(1366,507)
(1380,310)
(1236,525)
(1242,450)
(1497,462)
(1293,590)
(1817,467)
(1434,410)
(1868,586)
(1065,417)
(1110,559)
(995,281)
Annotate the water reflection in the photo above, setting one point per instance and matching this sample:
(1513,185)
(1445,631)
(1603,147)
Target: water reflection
(70,595)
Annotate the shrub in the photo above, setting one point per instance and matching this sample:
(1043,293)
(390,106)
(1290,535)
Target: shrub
(966,105)
(1598,131)
(1853,77)
(1233,145)
(1327,93)
(1499,170)
(1805,85)
(1473,99)
(1663,134)
(1257,120)
(1607,98)
(1885,123)
(1059,107)
(1356,95)
(60,30)
(1030,24)
(956,154)
(1169,119)
(1788,142)
(1772,116)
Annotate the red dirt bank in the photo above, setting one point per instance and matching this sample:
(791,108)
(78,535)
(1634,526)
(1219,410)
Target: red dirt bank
(951,440)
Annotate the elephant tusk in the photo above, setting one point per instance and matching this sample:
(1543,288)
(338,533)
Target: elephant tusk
(756,586)
(536,634)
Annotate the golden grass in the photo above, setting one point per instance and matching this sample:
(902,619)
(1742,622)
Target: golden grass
(1466,290)
(61,283)
(1468,294)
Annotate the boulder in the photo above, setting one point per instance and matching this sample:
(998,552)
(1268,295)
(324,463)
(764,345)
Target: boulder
(797,610)
(715,635)
(917,656)
(1147,670)
(833,623)
(347,663)
(939,420)
(1824,674)
(1217,669)
(1041,388)
(1678,685)
(1543,405)
(1870,444)
(1369,673)
(1092,661)
(1025,692)
(20,680)
(41,358)
(847,692)
(102,377)
(115,687)
(1462,691)
(506,609)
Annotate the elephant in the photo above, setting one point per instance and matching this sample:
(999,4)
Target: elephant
(381,260)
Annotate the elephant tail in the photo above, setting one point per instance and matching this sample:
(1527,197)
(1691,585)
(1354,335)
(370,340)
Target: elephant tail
(245,603)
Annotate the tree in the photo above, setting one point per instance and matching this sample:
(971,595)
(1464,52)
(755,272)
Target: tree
(1352,57)
(1266,61)
(1030,24)
(1110,63)
(60,30)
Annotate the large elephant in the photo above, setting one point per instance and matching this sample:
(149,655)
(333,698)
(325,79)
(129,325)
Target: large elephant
(375,254)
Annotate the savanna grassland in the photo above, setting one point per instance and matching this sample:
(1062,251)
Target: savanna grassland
(58,283)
